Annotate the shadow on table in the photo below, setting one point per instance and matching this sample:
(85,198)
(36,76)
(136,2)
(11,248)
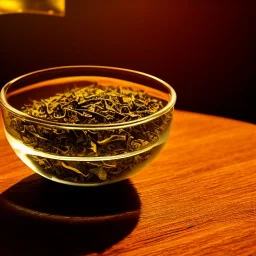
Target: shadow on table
(40,217)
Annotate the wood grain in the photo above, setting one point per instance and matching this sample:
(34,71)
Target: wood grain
(197,198)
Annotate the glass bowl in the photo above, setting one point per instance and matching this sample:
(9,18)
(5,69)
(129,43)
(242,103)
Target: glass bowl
(85,154)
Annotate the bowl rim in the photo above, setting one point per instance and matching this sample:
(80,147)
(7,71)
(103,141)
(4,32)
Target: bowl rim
(16,112)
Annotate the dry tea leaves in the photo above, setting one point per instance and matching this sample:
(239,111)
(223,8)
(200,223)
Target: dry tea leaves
(95,104)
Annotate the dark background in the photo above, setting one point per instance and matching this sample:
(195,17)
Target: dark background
(202,48)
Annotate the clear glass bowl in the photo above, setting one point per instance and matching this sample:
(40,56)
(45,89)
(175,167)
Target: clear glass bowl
(101,153)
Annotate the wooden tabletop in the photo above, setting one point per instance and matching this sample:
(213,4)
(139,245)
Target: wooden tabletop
(197,198)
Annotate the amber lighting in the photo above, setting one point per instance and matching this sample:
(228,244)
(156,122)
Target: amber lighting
(48,7)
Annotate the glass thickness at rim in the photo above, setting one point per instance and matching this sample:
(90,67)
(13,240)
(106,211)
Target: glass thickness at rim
(43,72)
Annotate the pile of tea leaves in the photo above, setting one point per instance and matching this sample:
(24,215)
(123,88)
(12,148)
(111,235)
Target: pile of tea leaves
(95,104)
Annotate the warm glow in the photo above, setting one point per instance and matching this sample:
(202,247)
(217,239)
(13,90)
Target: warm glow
(49,7)
(10,6)
(59,5)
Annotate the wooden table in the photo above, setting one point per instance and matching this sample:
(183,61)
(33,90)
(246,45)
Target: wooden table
(197,198)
